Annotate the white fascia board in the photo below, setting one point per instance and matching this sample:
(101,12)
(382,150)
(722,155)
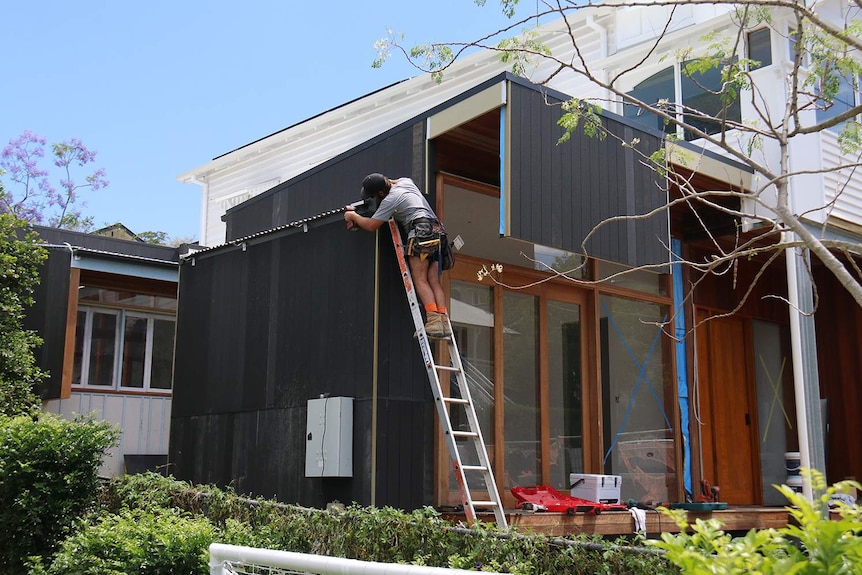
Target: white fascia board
(420,89)
(340,134)
(701,162)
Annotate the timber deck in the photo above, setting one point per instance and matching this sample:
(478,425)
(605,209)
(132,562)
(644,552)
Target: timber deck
(622,523)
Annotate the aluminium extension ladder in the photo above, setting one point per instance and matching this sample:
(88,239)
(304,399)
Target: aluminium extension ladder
(471,440)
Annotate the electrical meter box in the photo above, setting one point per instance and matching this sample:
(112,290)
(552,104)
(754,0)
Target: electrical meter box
(329,437)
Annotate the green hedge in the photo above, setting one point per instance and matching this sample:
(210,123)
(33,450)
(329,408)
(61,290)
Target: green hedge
(48,479)
(379,534)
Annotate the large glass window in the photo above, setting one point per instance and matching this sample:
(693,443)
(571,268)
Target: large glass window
(137,347)
(521,390)
(637,396)
(564,393)
(700,96)
(657,88)
(844,100)
(471,310)
(124,339)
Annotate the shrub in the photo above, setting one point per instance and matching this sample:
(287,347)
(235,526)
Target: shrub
(380,534)
(19,274)
(48,479)
(134,542)
(814,544)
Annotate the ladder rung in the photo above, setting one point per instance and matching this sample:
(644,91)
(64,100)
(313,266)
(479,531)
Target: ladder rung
(465,434)
(484,504)
(455,400)
(474,468)
(446,368)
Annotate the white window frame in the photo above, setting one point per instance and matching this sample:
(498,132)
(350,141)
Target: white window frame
(119,341)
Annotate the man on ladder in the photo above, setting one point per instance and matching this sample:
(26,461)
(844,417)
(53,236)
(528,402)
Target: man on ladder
(401,200)
(402,203)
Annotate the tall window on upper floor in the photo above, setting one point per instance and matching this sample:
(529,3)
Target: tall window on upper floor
(124,340)
(700,94)
(845,99)
(759,47)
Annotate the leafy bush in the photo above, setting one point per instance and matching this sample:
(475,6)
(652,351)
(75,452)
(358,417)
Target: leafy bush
(19,274)
(48,479)
(134,542)
(814,545)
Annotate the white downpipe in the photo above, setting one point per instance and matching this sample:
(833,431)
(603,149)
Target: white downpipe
(798,368)
(591,23)
(303,562)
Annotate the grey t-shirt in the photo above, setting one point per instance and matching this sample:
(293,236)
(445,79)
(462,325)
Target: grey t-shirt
(404,202)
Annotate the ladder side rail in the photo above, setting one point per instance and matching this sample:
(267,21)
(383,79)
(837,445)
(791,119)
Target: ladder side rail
(473,422)
(433,377)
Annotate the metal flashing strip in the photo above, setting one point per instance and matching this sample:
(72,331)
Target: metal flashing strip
(90,260)
(244,241)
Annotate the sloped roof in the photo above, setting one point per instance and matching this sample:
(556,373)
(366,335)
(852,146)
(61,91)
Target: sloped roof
(367,116)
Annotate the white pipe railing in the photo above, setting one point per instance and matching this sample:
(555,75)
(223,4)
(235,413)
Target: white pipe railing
(320,564)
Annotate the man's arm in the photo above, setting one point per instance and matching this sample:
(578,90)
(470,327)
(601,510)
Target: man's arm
(367,224)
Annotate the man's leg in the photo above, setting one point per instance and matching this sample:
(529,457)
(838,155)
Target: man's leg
(439,296)
(419,271)
(435,285)
(434,327)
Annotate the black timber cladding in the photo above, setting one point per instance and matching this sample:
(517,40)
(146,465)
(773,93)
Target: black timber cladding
(47,317)
(560,192)
(335,184)
(283,316)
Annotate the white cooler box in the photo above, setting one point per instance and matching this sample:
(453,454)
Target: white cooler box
(597,488)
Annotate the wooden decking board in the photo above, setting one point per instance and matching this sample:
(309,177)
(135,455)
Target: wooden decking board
(622,523)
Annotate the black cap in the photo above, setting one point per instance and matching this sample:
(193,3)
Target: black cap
(372,184)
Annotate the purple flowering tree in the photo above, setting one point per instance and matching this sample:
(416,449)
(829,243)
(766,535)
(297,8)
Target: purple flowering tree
(30,193)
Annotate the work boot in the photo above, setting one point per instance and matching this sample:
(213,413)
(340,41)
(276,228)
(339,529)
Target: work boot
(444,323)
(434,326)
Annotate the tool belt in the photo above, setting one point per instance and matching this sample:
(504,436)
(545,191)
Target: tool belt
(427,239)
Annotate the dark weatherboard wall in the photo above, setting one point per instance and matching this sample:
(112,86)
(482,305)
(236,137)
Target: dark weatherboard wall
(47,317)
(399,152)
(263,330)
(559,192)
(284,316)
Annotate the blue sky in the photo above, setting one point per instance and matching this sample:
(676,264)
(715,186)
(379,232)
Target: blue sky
(161,87)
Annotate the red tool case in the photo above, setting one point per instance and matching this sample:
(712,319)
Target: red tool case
(545,498)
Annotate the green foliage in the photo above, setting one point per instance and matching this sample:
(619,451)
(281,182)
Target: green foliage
(19,274)
(813,544)
(521,50)
(578,112)
(134,542)
(507,6)
(157,238)
(371,534)
(48,479)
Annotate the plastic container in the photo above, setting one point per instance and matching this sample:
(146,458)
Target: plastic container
(792,463)
(795,483)
(599,488)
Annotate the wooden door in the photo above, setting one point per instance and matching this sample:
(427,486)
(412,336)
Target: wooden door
(728,409)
